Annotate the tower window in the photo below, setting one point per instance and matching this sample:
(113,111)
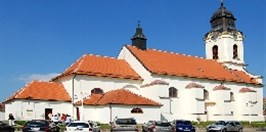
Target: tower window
(235,52)
(215,52)
(173,92)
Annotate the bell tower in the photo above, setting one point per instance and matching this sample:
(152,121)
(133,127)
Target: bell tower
(224,43)
(139,39)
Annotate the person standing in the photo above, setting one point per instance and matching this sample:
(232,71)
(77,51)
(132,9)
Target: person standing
(11,119)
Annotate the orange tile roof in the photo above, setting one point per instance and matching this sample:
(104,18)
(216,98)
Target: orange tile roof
(244,90)
(174,64)
(94,65)
(50,91)
(119,97)
(221,87)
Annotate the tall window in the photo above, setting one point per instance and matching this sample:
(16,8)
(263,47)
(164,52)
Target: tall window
(206,94)
(173,92)
(235,52)
(232,98)
(215,52)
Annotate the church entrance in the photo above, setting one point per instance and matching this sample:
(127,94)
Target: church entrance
(47,112)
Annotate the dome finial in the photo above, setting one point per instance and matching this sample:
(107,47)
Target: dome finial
(138,23)
(222,3)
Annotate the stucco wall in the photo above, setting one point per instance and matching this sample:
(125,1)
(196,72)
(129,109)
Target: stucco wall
(27,110)
(106,113)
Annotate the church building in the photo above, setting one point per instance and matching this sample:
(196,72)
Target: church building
(151,84)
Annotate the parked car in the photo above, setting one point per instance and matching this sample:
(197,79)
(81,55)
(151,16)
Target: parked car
(81,126)
(158,126)
(183,126)
(40,126)
(124,124)
(225,126)
(95,126)
(6,128)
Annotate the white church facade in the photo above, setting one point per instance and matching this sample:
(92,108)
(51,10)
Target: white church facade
(150,84)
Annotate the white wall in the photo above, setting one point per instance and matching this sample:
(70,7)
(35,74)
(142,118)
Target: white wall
(102,113)
(2,115)
(27,110)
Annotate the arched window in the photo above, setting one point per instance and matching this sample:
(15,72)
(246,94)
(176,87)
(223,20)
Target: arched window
(97,91)
(173,92)
(235,51)
(205,94)
(232,98)
(136,110)
(215,52)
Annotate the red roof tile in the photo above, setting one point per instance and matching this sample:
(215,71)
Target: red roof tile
(221,87)
(244,90)
(155,82)
(194,85)
(93,65)
(173,64)
(51,91)
(120,97)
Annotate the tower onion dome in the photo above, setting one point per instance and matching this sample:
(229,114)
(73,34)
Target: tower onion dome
(223,20)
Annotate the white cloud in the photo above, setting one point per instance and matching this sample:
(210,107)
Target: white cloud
(36,76)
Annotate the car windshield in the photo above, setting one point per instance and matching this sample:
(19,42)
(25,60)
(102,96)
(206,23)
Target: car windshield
(37,123)
(81,125)
(220,123)
(183,123)
(163,124)
(126,121)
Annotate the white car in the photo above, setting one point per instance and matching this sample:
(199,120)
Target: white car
(80,126)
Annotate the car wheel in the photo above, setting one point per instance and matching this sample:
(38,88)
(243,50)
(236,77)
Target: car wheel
(223,130)
(240,130)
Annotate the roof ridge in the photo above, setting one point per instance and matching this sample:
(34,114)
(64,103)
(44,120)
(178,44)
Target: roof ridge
(176,53)
(102,56)
(23,88)
(79,64)
(18,92)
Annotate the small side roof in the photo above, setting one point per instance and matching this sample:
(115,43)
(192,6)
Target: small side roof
(50,91)
(119,97)
(95,65)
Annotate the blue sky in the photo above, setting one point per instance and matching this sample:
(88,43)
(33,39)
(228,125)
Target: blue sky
(41,38)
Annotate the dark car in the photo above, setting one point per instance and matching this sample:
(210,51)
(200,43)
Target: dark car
(40,126)
(183,126)
(6,128)
(224,126)
(124,124)
(157,126)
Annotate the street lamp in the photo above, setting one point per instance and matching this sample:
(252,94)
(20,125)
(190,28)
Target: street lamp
(110,106)
(83,96)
